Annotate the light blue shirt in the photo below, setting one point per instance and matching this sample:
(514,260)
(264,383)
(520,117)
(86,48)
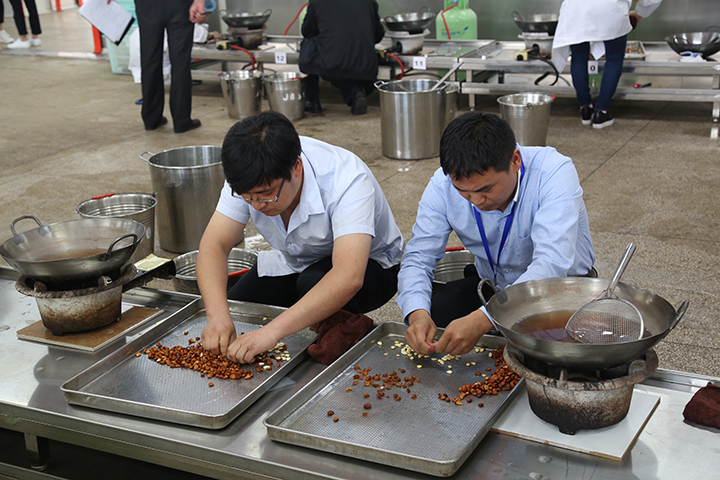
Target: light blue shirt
(340,196)
(549,235)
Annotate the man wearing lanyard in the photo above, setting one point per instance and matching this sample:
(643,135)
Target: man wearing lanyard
(519,210)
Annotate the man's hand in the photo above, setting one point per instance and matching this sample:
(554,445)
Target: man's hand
(197,11)
(249,345)
(462,334)
(218,335)
(421,333)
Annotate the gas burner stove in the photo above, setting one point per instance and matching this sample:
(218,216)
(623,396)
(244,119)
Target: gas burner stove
(247,38)
(576,400)
(407,43)
(542,39)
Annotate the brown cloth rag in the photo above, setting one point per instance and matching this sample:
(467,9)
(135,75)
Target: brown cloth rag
(704,406)
(336,334)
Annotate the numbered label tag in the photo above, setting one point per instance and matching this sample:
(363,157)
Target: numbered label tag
(280,57)
(592,67)
(420,63)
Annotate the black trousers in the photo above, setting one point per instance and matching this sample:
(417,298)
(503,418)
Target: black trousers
(19,17)
(154,18)
(378,288)
(348,88)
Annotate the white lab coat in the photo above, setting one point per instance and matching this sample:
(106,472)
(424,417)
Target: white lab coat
(594,21)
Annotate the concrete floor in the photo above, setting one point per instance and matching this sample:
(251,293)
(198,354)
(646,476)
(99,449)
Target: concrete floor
(71,130)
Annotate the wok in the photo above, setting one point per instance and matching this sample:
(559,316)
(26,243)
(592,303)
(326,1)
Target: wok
(542,22)
(409,22)
(74,250)
(249,20)
(522,300)
(704,43)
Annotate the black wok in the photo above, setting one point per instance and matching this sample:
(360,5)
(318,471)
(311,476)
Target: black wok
(522,300)
(70,251)
(704,43)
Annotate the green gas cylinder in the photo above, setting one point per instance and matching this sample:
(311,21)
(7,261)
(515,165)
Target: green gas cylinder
(461,21)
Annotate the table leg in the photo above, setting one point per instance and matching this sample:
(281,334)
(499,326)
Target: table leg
(38,450)
(716,105)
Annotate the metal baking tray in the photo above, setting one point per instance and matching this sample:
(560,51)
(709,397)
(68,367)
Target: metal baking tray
(635,50)
(125,383)
(424,435)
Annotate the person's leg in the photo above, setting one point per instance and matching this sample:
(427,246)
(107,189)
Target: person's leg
(279,291)
(454,300)
(19,18)
(379,285)
(34,18)
(151,23)
(581,80)
(180,43)
(614,57)
(312,94)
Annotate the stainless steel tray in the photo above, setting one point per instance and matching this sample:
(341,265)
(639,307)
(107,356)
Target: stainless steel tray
(425,435)
(635,50)
(124,383)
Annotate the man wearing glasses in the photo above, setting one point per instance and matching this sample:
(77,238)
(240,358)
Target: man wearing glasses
(335,244)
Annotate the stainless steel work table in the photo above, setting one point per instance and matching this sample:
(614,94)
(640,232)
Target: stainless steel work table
(31,402)
(660,60)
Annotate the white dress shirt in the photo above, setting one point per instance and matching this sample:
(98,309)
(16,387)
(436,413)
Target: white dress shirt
(594,21)
(340,196)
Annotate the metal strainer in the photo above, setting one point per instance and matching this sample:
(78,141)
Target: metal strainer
(608,319)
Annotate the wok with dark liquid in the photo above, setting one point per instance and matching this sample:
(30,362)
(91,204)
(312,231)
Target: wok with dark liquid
(522,300)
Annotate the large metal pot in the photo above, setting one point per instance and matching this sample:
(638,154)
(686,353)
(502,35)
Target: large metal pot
(413,117)
(562,295)
(185,279)
(187,182)
(70,251)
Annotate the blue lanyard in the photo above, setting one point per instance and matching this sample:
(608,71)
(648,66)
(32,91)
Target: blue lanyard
(506,230)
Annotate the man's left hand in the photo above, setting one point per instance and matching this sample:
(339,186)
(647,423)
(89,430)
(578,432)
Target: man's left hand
(251,344)
(462,334)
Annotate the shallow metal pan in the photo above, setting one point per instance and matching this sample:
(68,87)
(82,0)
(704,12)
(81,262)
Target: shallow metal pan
(543,22)
(414,22)
(74,250)
(249,20)
(125,383)
(522,300)
(424,435)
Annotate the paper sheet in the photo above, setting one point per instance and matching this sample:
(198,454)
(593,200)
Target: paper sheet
(111,19)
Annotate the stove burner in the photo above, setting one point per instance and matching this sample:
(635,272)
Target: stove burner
(407,43)
(579,399)
(248,38)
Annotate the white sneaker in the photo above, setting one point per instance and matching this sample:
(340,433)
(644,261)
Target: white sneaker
(35,42)
(19,44)
(5,37)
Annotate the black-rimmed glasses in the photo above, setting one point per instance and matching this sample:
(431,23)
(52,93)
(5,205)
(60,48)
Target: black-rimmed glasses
(261,200)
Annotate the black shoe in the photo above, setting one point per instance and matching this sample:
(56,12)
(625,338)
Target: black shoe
(312,107)
(586,112)
(358,104)
(602,119)
(163,121)
(195,123)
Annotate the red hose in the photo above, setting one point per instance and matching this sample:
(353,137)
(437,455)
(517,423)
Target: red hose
(402,67)
(293,20)
(252,57)
(442,14)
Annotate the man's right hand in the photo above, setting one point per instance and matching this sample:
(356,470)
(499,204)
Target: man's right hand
(218,335)
(421,332)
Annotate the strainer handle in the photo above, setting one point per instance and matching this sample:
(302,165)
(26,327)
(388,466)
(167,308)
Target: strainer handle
(629,250)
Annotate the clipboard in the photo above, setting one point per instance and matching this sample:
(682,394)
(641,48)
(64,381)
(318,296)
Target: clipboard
(111,19)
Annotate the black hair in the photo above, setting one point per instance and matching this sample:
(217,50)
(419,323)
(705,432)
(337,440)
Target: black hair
(258,150)
(475,142)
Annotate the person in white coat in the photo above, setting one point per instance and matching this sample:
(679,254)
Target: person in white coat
(599,27)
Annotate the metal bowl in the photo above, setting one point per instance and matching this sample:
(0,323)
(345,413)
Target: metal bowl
(409,22)
(249,20)
(542,22)
(704,43)
(549,295)
(71,251)
(185,279)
